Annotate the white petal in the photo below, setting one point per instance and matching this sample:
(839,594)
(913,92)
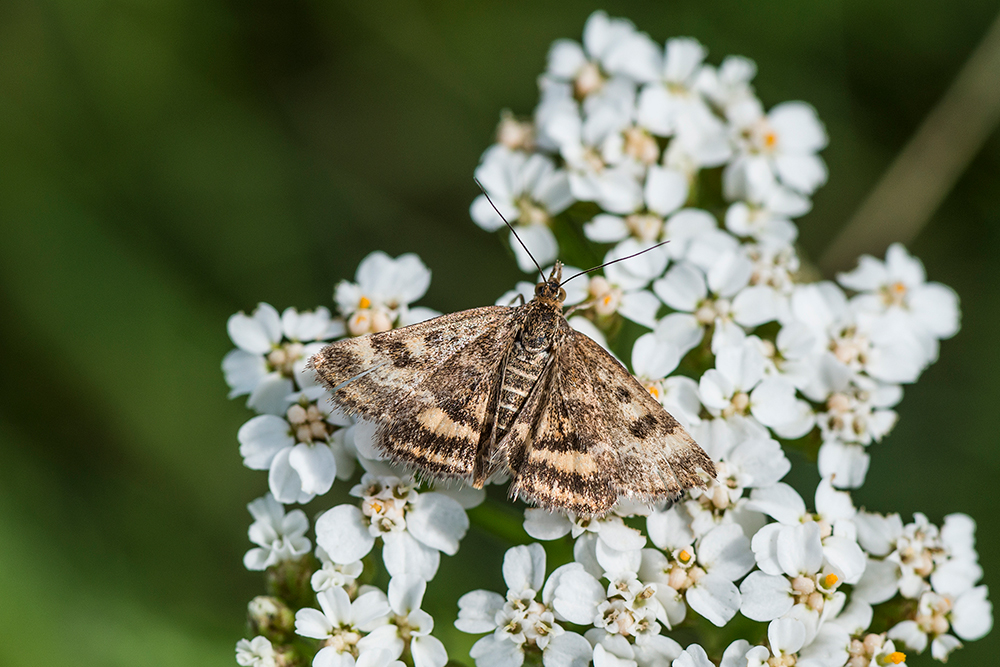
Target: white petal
(402,554)
(640,307)
(653,357)
(786,635)
(693,656)
(942,646)
(438,521)
(524,567)
(283,480)
(725,552)
(258,332)
(669,529)
(800,550)
(492,652)
(542,524)
(765,547)
(798,127)
(845,464)
(606,228)
(666,190)
(336,605)
(605,658)
(270,396)
(715,389)
(681,329)
(369,610)
(540,241)
(343,534)
(781,502)
(614,561)
(844,556)
(243,371)
(879,582)
(764,596)
(567,650)
(877,534)
(428,651)
(804,173)
(315,466)
(484,215)
(261,439)
(773,403)
(715,597)
(565,58)
(312,623)
(972,616)
(477,611)
(909,633)
(619,536)
(682,288)
(405,593)
(755,305)
(577,596)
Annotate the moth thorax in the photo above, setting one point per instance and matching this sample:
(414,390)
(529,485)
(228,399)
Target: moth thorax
(536,336)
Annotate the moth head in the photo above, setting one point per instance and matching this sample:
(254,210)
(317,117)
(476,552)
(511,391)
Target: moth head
(550,289)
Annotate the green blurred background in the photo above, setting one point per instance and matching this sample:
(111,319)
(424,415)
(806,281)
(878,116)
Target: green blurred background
(166,164)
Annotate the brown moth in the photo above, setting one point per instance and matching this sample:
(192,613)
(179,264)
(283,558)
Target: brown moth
(516,390)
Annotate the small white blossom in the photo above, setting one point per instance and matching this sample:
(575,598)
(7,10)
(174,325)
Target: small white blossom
(269,361)
(519,620)
(279,536)
(256,652)
(414,527)
(381,295)
(349,629)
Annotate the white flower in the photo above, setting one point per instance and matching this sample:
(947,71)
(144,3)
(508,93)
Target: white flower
(279,536)
(622,287)
(970,616)
(627,607)
(303,452)
(834,517)
(334,575)
(737,386)
(528,191)
(272,351)
(608,45)
(414,527)
(792,573)
(663,102)
(702,571)
(519,620)
(383,290)
(780,146)
(414,625)
(350,628)
(256,652)
(899,285)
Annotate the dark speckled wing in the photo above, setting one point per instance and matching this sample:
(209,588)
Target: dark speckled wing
(428,386)
(600,435)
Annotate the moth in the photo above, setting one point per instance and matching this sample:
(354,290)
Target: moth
(515,390)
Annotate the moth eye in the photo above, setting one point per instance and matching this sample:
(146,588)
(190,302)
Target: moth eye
(538,289)
(562,294)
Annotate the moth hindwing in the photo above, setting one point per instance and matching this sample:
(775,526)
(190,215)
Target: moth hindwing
(516,390)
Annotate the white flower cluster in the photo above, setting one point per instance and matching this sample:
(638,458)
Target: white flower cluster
(633,144)
(626,141)
(305,445)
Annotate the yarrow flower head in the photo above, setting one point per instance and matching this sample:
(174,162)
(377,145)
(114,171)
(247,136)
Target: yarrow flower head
(633,143)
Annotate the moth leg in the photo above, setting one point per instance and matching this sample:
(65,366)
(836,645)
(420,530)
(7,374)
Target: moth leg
(580,306)
(519,297)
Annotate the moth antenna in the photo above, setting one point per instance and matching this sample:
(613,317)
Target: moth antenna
(620,259)
(512,231)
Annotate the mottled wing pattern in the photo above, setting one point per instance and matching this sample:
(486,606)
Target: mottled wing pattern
(601,435)
(428,386)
